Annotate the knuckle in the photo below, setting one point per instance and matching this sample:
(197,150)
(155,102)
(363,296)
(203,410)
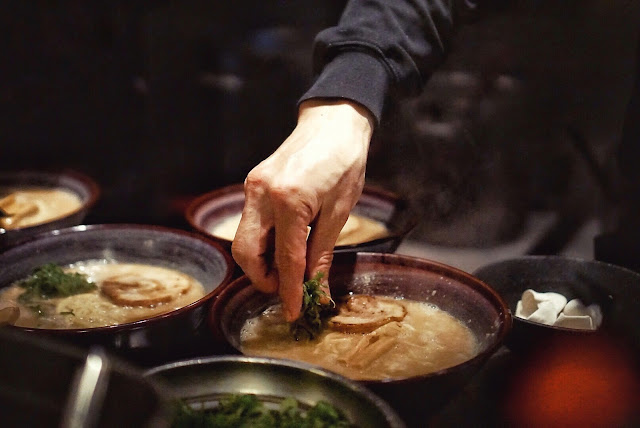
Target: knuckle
(292,199)
(284,192)
(255,180)
(239,252)
(289,260)
(323,264)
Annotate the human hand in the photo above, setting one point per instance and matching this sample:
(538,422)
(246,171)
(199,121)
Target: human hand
(313,179)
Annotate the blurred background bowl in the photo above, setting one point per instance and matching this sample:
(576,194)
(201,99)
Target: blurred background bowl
(395,212)
(478,306)
(83,186)
(615,289)
(45,383)
(148,341)
(207,380)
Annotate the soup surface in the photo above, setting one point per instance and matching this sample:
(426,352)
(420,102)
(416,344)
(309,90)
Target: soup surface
(124,293)
(35,205)
(426,340)
(356,230)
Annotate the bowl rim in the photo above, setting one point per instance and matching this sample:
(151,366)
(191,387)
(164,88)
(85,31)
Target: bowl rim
(466,278)
(194,206)
(93,190)
(373,190)
(354,386)
(53,234)
(557,258)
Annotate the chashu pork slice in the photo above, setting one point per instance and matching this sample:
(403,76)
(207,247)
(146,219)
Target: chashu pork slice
(150,289)
(362,314)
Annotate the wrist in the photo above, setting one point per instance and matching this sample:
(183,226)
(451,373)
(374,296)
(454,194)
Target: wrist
(342,111)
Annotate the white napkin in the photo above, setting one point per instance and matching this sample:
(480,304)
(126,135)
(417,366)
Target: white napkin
(577,315)
(540,307)
(553,309)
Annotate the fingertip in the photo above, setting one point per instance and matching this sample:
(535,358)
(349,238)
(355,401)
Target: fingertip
(291,313)
(327,297)
(291,302)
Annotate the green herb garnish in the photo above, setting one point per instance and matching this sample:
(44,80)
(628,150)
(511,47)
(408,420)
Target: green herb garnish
(50,281)
(314,314)
(247,411)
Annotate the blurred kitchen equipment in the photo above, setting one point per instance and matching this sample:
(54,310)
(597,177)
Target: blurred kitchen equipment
(45,383)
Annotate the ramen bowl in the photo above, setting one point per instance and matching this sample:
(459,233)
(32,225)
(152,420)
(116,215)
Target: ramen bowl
(468,299)
(615,290)
(149,340)
(81,186)
(209,210)
(202,382)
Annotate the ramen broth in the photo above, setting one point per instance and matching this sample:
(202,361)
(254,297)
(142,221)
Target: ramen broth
(30,206)
(356,230)
(156,290)
(428,339)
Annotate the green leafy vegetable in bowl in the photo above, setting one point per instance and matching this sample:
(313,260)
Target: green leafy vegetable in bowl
(247,411)
(50,280)
(314,314)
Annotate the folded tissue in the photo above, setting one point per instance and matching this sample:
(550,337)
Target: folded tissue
(554,309)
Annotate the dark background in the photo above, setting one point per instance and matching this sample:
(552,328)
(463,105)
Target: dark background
(160,101)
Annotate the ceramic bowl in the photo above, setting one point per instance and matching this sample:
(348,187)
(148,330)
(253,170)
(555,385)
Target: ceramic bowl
(203,382)
(147,341)
(614,289)
(83,186)
(375,203)
(463,296)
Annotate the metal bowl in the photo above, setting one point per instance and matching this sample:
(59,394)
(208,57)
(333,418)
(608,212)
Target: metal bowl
(45,383)
(570,377)
(149,341)
(80,184)
(615,289)
(207,380)
(460,294)
(374,203)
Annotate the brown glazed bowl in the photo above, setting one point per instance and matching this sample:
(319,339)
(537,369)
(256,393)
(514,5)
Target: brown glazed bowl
(204,381)
(378,204)
(149,341)
(46,383)
(615,289)
(452,290)
(82,185)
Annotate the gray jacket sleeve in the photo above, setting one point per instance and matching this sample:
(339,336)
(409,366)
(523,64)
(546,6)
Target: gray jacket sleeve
(383,48)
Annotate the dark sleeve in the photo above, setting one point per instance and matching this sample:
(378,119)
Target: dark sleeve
(383,47)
